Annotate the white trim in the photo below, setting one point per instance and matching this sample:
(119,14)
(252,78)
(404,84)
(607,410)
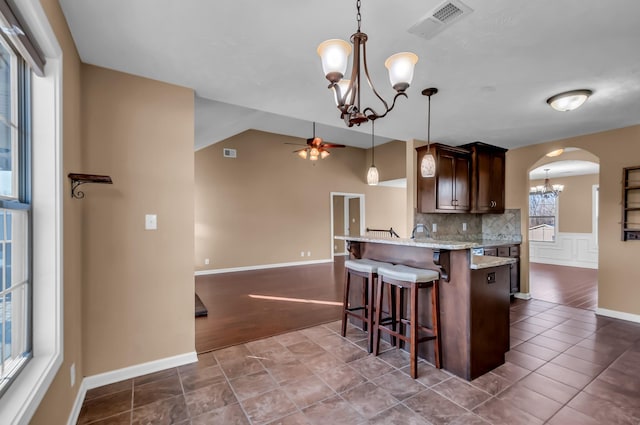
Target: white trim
(261,267)
(595,211)
(346,196)
(522,295)
(618,314)
(129,372)
(23,397)
(338,254)
(569,249)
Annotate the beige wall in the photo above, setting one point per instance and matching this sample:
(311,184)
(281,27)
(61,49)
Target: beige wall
(268,205)
(389,160)
(575,203)
(58,401)
(617,271)
(138,284)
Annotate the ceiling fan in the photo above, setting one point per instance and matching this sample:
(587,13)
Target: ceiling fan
(316,148)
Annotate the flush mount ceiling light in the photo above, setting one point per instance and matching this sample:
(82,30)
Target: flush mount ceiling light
(372,174)
(570,100)
(335,54)
(428,163)
(556,152)
(548,190)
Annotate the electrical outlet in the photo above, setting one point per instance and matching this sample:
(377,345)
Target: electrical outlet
(302,253)
(206,261)
(434,227)
(464,227)
(72,374)
(308,253)
(150,222)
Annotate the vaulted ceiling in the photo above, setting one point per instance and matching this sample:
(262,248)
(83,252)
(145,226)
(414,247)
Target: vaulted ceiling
(253,64)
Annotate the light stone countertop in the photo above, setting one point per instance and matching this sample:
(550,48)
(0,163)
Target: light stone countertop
(430,243)
(485,261)
(421,243)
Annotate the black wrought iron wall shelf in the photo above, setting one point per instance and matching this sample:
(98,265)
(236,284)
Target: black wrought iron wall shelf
(78,179)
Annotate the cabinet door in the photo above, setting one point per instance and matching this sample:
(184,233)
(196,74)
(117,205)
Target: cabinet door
(461,190)
(515,277)
(446,181)
(497,182)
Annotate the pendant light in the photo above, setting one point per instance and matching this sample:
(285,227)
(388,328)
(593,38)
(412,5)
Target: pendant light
(428,163)
(372,174)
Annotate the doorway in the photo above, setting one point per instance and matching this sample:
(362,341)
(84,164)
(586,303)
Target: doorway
(563,230)
(347,218)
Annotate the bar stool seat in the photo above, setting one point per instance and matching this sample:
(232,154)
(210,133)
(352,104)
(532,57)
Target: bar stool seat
(368,270)
(412,279)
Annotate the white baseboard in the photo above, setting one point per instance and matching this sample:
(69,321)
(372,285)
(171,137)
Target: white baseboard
(338,254)
(129,372)
(522,295)
(618,315)
(261,267)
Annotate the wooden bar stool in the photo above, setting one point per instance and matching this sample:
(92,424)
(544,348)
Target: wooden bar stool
(368,270)
(403,278)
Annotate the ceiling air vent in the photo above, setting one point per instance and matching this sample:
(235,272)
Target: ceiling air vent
(229,153)
(440,18)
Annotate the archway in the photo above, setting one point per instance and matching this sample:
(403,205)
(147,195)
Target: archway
(563,231)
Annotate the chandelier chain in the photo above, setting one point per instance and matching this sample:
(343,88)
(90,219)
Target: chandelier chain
(358,16)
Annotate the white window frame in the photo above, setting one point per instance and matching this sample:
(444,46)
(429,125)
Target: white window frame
(20,401)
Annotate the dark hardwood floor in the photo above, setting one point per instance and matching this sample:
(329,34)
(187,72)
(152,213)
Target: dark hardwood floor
(245,306)
(570,286)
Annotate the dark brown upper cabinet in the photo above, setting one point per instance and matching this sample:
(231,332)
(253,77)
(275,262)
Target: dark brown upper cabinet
(448,190)
(487,177)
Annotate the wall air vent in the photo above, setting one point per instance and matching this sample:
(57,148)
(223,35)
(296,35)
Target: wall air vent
(229,153)
(440,18)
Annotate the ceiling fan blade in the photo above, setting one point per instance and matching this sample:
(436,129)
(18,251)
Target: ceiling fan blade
(332,145)
(295,144)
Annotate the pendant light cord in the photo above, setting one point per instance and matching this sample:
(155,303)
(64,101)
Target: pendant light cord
(429,125)
(373,151)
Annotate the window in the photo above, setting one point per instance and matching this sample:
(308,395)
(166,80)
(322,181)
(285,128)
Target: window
(15,285)
(543,212)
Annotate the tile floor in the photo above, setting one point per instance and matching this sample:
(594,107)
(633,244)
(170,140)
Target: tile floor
(566,366)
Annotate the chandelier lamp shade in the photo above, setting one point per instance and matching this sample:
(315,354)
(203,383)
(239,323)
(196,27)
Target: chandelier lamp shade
(428,163)
(372,174)
(570,100)
(547,190)
(335,60)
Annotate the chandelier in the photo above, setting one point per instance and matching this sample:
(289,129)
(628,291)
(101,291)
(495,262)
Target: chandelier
(547,190)
(335,55)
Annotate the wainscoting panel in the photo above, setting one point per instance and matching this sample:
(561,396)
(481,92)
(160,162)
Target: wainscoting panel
(569,249)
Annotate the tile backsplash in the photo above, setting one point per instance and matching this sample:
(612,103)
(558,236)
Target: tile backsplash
(478,226)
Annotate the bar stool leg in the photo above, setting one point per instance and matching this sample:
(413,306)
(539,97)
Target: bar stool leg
(378,317)
(400,313)
(345,300)
(368,303)
(413,335)
(435,320)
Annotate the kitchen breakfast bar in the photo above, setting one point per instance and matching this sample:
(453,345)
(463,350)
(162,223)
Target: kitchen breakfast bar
(474,296)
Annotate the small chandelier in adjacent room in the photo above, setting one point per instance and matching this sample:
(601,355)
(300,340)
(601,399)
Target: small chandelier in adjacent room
(548,190)
(372,174)
(335,54)
(428,163)
(570,100)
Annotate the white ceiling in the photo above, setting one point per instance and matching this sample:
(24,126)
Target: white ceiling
(253,64)
(565,168)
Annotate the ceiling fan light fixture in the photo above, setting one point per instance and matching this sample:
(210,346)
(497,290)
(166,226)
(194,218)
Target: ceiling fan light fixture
(324,154)
(302,154)
(570,100)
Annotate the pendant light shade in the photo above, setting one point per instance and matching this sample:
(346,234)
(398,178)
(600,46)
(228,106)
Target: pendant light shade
(428,163)
(372,174)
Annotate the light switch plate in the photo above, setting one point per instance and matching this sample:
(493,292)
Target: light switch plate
(150,222)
